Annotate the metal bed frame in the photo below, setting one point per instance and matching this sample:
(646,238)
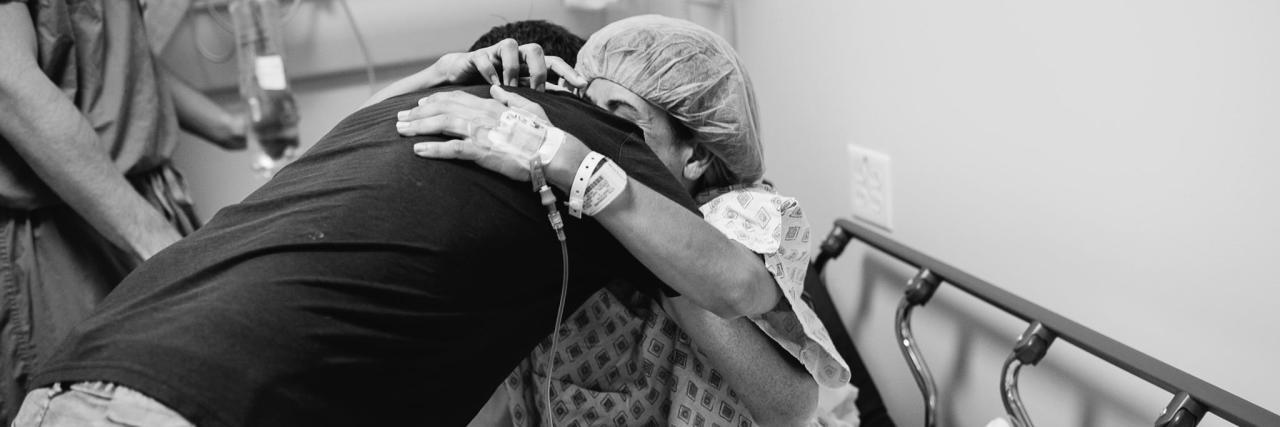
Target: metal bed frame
(1192,398)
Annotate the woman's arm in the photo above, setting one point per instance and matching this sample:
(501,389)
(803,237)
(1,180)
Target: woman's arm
(684,251)
(428,77)
(775,388)
(482,65)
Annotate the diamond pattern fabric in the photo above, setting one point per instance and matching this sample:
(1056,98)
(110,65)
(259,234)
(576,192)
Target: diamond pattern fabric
(631,365)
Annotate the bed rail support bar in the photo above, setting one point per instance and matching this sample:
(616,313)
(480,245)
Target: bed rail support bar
(1202,397)
(832,246)
(1030,349)
(919,290)
(1183,411)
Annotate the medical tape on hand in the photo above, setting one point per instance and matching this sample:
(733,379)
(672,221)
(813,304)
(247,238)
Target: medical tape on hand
(605,185)
(578,189)
(523,134)
(551,143)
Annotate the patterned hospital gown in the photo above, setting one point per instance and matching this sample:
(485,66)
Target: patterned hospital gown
(631,366)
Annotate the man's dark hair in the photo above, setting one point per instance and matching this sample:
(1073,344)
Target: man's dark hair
(554,39)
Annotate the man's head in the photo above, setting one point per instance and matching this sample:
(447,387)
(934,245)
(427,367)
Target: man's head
(554,39)
(685,87)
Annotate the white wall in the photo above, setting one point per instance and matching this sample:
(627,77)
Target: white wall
(1111,160)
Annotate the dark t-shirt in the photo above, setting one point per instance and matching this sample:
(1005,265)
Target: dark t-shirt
(361,286)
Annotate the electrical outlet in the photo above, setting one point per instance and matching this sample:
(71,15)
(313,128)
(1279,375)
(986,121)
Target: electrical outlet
(872,195)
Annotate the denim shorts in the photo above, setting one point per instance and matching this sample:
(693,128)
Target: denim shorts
(96,404)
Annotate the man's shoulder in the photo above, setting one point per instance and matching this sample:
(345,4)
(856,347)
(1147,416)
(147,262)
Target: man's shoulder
(561,107)
(550,98)
(599,130)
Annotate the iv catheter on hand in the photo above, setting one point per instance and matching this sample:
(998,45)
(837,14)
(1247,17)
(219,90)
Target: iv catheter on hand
(546,197)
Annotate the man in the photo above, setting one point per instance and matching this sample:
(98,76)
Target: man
(362,285)
(87,125)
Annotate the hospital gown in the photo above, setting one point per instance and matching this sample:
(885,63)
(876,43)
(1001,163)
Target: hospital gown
(621,365)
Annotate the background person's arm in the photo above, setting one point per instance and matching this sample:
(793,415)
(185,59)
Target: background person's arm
(62,148)
(775,388)
(483,65)
(204,118)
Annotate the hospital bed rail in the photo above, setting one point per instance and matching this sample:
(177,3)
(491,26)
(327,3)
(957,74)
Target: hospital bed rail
(1192,396)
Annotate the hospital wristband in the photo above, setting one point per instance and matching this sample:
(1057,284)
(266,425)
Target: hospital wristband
(608,182)
(578,188)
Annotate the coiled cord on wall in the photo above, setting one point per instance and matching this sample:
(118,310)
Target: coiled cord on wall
(364,48)
(219,58)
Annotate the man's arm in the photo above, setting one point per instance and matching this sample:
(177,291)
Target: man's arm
(62,148)
(775,388)
(201,116)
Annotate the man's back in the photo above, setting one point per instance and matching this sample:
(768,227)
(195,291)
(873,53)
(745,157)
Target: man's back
(361,284)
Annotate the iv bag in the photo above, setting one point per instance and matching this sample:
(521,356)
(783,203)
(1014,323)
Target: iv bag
(273,114)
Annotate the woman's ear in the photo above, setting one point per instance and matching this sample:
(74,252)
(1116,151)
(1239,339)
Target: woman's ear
(696,166)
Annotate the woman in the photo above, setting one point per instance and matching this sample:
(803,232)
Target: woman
(669,361)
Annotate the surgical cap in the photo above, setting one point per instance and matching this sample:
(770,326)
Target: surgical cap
(691,73)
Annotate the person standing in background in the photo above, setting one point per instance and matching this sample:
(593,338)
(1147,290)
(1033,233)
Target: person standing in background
(88,121)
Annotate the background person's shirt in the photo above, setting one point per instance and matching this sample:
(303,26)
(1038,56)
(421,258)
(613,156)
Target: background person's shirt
(97,52)
(362,285)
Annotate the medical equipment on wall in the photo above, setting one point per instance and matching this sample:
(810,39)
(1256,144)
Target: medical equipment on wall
(273,114)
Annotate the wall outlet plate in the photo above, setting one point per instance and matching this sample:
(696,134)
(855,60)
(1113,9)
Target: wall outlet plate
(872,196)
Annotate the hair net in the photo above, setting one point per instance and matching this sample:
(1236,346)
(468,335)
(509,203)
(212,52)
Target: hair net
(691,73)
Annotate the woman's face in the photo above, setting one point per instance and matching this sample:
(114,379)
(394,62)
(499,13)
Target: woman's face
(659,130)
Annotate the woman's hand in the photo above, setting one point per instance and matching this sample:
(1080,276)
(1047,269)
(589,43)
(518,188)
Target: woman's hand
(483,65)
(507,55)
(471,118)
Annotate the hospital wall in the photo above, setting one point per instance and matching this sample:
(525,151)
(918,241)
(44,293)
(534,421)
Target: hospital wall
(1113,161)
(326,67)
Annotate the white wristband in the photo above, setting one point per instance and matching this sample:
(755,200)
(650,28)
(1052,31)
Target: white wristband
(578,189)
(605,185)
(551,143)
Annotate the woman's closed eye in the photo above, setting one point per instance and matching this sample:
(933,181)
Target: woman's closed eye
(625,110)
